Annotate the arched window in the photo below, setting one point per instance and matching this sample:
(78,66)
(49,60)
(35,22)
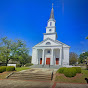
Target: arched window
(48,51)
(50,23)
(48,43)
(50,29)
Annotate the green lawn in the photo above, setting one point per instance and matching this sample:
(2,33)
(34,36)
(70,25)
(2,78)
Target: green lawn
(80,78)
(21,68)
(4,74)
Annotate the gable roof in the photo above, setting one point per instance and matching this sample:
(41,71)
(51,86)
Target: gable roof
(54,41)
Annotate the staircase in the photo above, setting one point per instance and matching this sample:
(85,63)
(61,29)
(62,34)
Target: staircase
(32,74)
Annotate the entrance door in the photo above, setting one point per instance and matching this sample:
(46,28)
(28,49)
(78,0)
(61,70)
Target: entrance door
(40,60)
(57,61)
(47,61)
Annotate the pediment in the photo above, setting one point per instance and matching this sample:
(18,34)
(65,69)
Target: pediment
(51,42)
(48,42)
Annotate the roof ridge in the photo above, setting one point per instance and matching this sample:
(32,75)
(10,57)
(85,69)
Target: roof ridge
(62,43)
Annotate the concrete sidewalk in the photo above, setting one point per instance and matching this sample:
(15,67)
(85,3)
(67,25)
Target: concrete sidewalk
(37,84)
(24,84)
(70,85)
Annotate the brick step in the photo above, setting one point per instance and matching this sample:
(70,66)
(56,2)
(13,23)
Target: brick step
(34,73)
(31,79)
(28,78)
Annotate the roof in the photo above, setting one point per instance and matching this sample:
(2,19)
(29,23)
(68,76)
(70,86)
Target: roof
(55,41)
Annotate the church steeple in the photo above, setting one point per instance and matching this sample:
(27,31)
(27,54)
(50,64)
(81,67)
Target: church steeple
(52,13)
(51,28)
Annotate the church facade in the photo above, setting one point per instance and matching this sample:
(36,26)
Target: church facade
(50,51)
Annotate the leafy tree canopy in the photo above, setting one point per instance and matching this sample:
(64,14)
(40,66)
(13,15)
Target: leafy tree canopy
(83,56)
(87,37)
(15,50)
(73,58)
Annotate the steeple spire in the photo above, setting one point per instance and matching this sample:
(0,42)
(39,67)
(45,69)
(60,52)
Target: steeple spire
(52,5)
(52,13)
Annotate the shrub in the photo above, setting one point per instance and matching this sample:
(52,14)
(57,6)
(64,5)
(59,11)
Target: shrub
(61,70)
(2,69)
(87,67)
(18,65)
(10,68)
(78,69)
(70,72)
(28,64)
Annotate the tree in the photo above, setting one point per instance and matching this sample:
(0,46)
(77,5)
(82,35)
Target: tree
(15,50)
(5,49)
(19,51)
(73,58)
(83,57)
(87,37)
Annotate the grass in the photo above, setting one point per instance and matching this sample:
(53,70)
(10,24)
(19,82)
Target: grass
(79,78)
(4,74)
(22,68)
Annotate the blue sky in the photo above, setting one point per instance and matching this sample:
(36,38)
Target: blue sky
(27,19)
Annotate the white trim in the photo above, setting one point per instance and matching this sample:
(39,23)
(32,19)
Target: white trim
(55,41)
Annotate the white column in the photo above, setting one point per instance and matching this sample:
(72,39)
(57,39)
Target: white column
(52,57)
(37,56)
(43,57)
(60,61)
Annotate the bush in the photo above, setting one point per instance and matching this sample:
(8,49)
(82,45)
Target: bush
(70,72)
(61,70)
(10,68)
(78,69)
(18,65)
(2,69)
(28,64)
(87,67)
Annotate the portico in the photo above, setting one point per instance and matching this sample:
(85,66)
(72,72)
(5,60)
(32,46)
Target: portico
(54,54)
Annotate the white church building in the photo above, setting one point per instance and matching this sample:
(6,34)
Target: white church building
(50,51)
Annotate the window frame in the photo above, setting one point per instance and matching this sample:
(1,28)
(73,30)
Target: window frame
(48,43)
(50,23)
(48,51)
(50,30)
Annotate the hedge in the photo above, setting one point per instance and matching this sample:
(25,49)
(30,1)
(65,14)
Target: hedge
(61,70)
(78,69)
(86,67)
(2,69)
(70,72)
(10,68)
(28,64)
(18,65)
